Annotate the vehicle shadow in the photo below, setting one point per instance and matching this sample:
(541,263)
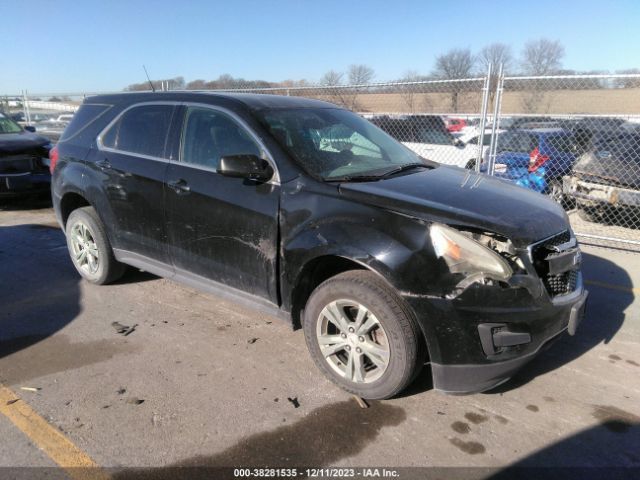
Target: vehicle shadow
(40,296)
(34,202)
(604,318)
(607,450)
(40,288)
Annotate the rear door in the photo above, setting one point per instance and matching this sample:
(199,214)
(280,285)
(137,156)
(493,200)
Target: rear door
(132,163)
(220,228)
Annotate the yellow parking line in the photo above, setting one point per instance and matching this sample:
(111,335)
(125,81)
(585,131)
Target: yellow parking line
(612,287)
(77,464)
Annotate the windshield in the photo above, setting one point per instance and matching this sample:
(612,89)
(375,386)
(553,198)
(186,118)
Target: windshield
(8,126)
(334,143)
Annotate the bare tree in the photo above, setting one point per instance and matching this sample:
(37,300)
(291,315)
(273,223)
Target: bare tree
(496,54)
(196,84)
(332,78)
(360,74)
(359,77)
(408,92)
(542,57)
(455,64)
(539,57)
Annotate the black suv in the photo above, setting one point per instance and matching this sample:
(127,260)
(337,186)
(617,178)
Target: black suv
(307,211)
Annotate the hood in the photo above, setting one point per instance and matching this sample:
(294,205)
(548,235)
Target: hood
(611,163)
(460,197)
(17,142)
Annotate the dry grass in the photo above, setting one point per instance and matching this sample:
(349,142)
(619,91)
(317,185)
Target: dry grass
(601,101)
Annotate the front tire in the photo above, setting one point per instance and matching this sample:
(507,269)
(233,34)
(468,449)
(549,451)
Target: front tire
(90,249)
(362,335)
(592,214)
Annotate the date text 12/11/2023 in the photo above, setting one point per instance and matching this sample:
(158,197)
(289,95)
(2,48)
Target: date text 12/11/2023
(326,472)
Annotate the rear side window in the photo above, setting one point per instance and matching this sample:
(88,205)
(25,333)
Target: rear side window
(85,116)
(142,130)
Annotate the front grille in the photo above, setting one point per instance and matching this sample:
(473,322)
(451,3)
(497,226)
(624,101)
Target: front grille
(16,164)
(542,249)
(560,284)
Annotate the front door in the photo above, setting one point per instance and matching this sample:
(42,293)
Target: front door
(221,228)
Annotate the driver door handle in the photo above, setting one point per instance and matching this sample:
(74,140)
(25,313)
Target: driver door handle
(180,186)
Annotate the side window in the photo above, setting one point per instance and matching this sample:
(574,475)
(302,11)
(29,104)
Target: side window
(141,130)
(209,135)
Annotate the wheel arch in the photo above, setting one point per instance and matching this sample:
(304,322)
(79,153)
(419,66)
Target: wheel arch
(321,268)
(69,202)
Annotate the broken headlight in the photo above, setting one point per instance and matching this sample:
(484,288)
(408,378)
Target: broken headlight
(463,254)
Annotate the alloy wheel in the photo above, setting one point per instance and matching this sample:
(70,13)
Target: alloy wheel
(353,341)
(84,249)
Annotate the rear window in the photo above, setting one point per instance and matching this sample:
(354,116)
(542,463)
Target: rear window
(516,142)
(85,116)
(142,130)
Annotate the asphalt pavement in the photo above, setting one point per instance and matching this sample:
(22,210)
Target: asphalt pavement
(201,381)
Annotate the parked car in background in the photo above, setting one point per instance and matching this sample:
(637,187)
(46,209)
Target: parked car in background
(308,212)
(472,136)
(512,123)
(536,159)
(63,118)
(427,136)
(24,160)
(605,182)
(454,124)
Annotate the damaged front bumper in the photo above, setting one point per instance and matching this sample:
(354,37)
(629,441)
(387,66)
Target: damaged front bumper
(480,337)
(595,194)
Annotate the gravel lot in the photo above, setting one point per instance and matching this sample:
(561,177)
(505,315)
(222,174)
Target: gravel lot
(201,381)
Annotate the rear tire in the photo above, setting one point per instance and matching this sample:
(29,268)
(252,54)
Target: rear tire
(362,336)
(89,248)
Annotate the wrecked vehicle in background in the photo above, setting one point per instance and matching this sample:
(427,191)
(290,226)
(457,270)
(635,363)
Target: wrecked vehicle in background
(605,181)
(24,160)
(309,212)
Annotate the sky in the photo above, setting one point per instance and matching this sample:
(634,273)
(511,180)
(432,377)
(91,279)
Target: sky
(92,46)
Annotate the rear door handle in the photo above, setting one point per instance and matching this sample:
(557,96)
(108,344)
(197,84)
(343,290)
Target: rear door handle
(179,186)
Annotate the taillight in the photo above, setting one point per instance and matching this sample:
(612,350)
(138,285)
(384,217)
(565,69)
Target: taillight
(53,158)
(536,160)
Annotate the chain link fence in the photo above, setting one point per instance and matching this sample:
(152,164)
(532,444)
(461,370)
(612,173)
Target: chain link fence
(575,138)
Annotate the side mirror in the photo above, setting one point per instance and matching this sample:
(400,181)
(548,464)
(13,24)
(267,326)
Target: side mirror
(458,143)
(245,166)
(30,128)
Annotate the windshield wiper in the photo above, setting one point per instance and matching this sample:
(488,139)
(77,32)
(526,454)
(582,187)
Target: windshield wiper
(402,168)
(373,178)
(354,178)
